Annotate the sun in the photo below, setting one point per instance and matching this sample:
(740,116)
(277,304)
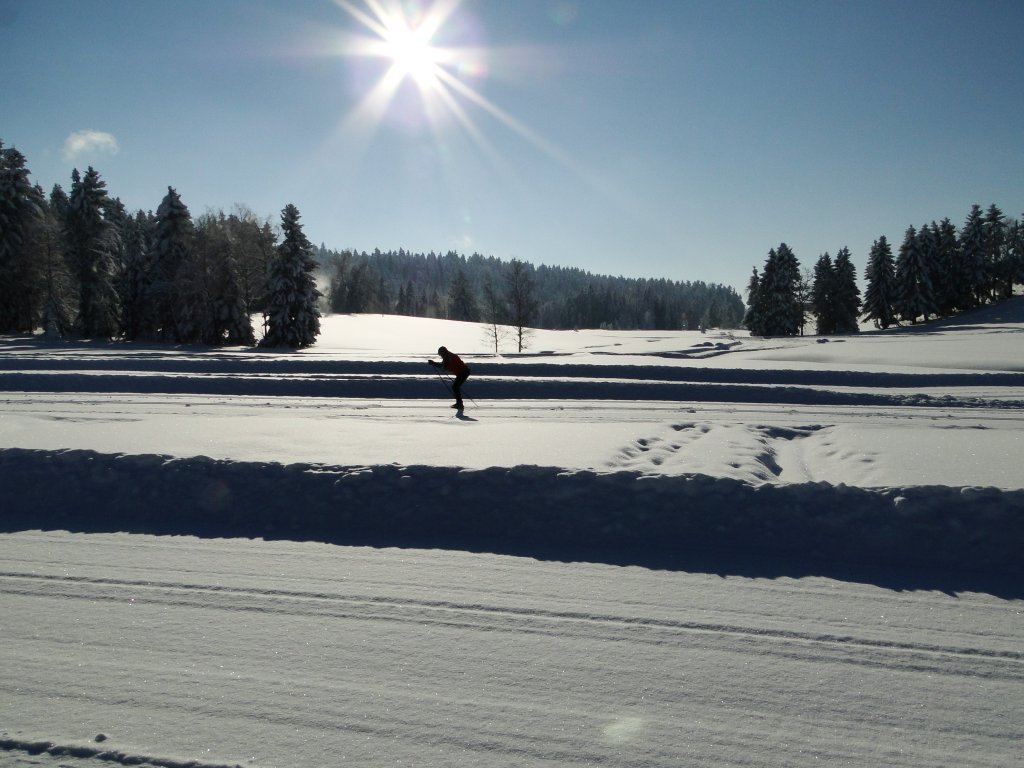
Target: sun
(405,38)
(438,47)
(411,54)
(402,36)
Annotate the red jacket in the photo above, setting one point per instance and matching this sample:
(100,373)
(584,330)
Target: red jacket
(453,364)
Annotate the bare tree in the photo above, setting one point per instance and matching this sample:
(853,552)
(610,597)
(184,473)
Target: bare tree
(522,304)
(495,331)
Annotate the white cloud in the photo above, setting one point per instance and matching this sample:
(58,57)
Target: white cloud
(81,142)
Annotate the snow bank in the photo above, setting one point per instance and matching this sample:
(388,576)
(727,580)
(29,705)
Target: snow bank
(549,513)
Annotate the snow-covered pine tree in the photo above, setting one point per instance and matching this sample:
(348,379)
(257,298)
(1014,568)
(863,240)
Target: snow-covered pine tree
(996,252)
(291,317)
(846,301)
(976,281)
(914,295)
(92,247)
(21,212)
(823,291)
(229,322)
(781,308)
(133,286)
(233,317)
(947,263)
(253,244)
(928,243)
(752,319)
(763,293)
(803,296)
(57,315)
(123,224)
(880,295)
(194,305)
(170,248)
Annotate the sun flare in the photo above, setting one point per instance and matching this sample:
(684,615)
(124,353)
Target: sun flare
(411,53)
(429,45)
(438,48)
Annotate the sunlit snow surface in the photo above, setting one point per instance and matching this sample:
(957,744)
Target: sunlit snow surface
(631,549)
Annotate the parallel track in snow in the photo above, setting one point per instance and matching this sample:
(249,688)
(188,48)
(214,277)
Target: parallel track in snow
(191,652)
(939,659)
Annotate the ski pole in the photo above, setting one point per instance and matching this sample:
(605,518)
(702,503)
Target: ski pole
(444,380)
(448,383)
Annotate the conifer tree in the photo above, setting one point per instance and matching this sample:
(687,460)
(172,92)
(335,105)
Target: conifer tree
(57,317)
(928,243)
(338,285)
(382,297)
(461,304)
(407,300)
(170,250)
(21,212)
(752,319)
(881,289)
(823,294)
(133,286)
(947,267)
(218,315)
(253,245)
(780,305)
(914,295)
(359,289)
(291,317)
(92,246)
(976,286)
(232,321)
(846,300)
(119,218)
(999,267)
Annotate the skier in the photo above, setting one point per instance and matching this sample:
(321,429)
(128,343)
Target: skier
(454,365)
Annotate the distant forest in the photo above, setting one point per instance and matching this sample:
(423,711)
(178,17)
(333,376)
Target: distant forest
(481,289)
(79,264)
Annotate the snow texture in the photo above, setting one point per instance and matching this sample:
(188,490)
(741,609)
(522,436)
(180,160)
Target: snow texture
(632,549)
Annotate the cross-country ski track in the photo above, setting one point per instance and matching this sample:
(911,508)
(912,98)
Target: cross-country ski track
(228,652)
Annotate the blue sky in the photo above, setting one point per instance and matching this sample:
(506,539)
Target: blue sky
(655,138)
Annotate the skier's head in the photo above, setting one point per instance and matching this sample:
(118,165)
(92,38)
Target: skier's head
(442,351)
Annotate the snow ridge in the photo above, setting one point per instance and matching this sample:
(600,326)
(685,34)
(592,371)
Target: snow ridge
(625,517)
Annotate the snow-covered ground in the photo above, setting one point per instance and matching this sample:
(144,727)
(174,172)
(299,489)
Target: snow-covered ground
(631,549)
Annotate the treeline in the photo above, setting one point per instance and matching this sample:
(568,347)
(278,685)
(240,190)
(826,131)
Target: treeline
(937,272)
(477,288)
(78,264)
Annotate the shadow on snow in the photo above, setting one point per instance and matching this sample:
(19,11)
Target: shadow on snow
(941,538)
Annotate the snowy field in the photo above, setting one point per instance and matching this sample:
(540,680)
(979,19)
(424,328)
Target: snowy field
(632,549)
